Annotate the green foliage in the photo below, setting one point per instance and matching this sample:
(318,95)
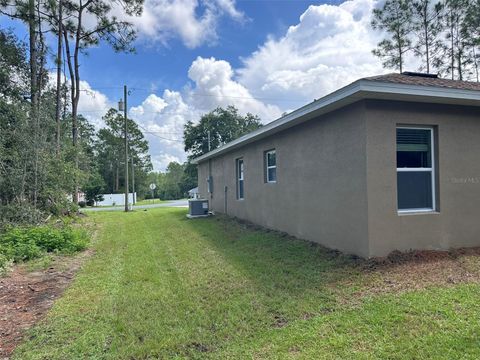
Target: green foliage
(5,263)
(224,125)
(395,19)
(220,126)
(427,26)
(111,153)
(94,188)
(444,35)
(19,214)
(26,243)
(174,183)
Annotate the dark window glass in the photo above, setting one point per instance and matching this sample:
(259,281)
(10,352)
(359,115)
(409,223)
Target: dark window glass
(272,174)
(414,190)
(414,148)
(271,159)
(240,187)
(270,166)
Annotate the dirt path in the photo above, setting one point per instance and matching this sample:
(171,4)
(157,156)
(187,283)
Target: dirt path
(25,297)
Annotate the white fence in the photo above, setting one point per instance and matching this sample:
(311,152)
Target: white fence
(115,199)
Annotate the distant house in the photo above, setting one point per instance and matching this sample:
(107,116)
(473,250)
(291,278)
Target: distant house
(193,193)
(390,162)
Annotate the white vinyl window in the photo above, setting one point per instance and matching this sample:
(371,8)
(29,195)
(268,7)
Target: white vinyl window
(270,166)
(415,169)
(240,178)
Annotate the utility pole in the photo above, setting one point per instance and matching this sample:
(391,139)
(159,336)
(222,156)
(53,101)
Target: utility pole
(122,105)
(133,183)
(126,146)
(208,133)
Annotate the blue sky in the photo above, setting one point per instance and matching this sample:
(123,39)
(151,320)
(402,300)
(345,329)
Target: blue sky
(265,57)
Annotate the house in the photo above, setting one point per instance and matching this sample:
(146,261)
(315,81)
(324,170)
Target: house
(193,193)
(390,162)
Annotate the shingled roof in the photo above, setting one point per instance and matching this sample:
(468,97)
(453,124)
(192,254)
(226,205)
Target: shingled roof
(425,80)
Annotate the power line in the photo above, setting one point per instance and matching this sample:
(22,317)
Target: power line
(146,131)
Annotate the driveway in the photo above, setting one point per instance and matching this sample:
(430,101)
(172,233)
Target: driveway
(173,203)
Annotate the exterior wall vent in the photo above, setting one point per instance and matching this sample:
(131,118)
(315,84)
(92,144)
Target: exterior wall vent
(417,74)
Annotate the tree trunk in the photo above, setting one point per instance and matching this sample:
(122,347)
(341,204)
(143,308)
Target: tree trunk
(117,178)
(33,88)
(427,47)
(59,75)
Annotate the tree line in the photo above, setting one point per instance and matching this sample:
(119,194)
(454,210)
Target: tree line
(444,35)
(37,174)
(45,145)
(214,129)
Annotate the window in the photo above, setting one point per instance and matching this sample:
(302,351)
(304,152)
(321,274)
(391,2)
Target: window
(240,188)
(415,169)
(270,166)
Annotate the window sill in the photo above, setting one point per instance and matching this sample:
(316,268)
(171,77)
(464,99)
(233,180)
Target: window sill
(418,212)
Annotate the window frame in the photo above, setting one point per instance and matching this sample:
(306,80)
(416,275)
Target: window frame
(431,169)
(267,167)
(240,177)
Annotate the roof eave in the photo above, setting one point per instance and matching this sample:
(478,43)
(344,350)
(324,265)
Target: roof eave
(358,90)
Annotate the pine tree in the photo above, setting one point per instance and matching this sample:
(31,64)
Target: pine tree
(395,19)
(427,26)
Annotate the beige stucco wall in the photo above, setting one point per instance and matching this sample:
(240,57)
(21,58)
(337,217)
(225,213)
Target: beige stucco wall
(320,194)
(457,222)
(337,180)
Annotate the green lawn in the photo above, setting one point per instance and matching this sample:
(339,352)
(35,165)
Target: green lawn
(161,286)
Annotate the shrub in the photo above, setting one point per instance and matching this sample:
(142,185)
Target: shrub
(82,204)
(61,206)
(5,263)
(90,202)
(26,243)
(19,214)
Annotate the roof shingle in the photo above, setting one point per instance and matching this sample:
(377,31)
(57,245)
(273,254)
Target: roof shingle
(413,79)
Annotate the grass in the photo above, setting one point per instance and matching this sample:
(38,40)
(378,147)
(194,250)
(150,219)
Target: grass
(161,286)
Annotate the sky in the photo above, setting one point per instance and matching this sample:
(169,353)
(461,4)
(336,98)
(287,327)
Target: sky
(265,57)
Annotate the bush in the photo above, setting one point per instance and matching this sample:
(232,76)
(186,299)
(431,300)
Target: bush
(5,264)
(90,202)
(26,243)
(82,204)
(61,206)
(19,214)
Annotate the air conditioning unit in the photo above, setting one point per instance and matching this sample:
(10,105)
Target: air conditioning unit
(197,208)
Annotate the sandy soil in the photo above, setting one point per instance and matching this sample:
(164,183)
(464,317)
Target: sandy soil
(25,297)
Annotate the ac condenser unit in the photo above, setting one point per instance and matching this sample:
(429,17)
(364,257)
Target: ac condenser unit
(197,208)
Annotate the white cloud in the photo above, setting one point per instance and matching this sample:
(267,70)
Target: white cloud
(162,119)
(193,22)
(93,104)
(161,161)
(329,48)
(215,86)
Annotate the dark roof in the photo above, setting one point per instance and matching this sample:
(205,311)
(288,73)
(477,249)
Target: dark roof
(425,80)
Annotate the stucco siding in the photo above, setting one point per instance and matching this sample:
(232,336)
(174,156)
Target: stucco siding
(321,190)
(457,134)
